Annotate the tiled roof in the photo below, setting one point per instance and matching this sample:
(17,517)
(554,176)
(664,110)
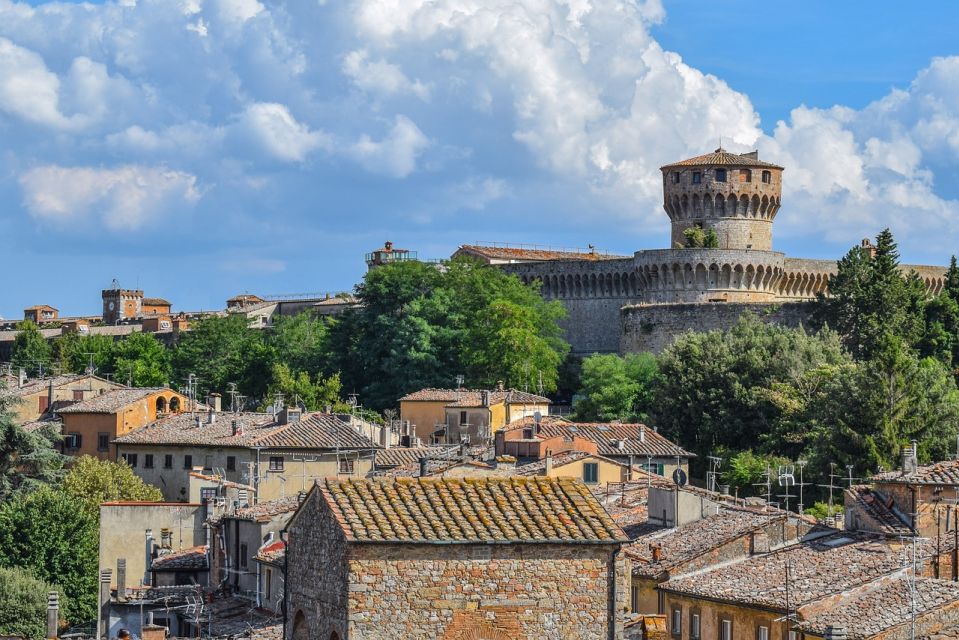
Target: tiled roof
(313,431)
(942,473)
(37,425)
(110,401)
(273,553)
(473,397)
(533,255)
(608,435)
(817,568)
(39,385)
(398,456)
(689,541)
(155,302)
(469,510)
(269,509)
(883,604)
(193,558)
(722,157)
(871,504)
(435,467)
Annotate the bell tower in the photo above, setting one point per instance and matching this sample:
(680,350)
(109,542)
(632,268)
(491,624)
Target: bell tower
(735,195)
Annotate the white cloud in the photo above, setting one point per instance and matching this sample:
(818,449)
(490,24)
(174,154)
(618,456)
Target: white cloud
(395,155)
(28,89)
(123,198)
(380,76)
(278,133)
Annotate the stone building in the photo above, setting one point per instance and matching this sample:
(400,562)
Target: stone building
(642,302)
(40,398)
(454,559)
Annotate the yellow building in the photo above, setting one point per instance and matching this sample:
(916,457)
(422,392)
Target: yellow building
(89,426)
(449,415)
(38,398)
(589,468)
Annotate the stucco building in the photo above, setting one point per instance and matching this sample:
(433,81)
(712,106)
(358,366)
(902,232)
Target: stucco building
(642,302)
(40,398)
(457,559)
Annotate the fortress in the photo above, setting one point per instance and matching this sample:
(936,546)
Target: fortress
(721,264)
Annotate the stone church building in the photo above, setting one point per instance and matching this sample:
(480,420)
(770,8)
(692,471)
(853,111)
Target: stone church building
(483,558)
(642,302)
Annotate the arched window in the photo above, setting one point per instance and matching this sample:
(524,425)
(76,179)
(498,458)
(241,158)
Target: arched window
(161,405)
(767,177)
(174,405)
(720,175)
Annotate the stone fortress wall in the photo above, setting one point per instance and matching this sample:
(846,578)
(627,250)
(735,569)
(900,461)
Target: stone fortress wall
(644,302)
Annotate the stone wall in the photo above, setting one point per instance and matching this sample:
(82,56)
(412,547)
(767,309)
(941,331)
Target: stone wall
(655,327)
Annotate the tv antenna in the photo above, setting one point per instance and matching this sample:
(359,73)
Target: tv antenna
(713,474)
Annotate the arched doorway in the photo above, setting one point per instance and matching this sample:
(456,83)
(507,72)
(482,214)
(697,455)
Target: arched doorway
(300,629)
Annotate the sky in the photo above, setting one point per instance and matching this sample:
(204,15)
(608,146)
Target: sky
(197,149)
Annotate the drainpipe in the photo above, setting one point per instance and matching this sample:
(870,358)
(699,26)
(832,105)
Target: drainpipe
(611,606)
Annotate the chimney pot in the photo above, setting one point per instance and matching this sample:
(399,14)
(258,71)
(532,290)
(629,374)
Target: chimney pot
(549,462)
(53,614)
(216,402)
(642,434)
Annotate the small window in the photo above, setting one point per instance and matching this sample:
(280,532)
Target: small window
(767,177)
(697,177)
(103,441)
(720,175)
(168,461)
(346,466)
(276,463)
(207,494)
(78,396)
(726,630)
(675,177)
(207,462)
(591,472)
(762,633)
(694,627)
(130,459)
(243,558)
(745,175)
(148,461)
(677,626)
(73,441)
(634,599)
(462,417)
(188,462)
(528,434)
(231,463)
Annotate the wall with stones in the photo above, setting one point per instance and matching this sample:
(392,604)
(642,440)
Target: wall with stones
(655,327)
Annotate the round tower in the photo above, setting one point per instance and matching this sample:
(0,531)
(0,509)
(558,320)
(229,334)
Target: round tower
(734,195)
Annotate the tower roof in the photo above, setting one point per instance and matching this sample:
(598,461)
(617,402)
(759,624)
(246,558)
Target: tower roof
(722,157)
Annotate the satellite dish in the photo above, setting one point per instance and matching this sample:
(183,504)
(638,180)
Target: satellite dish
(679,477)
(537,416)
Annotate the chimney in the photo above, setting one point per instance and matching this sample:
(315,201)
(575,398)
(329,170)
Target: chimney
(211,416)
(166,538)
(23,378)
(196,421)
(484,395)
(835,633)
(106,575)
(500,386)
(424,466)
(149,557)
(910,463)
(549,462)
(53,614)
(121,578)
(657,552)
(236,428)
(620,445)
(216,402)
(506,465)
(642,434)
(289,415)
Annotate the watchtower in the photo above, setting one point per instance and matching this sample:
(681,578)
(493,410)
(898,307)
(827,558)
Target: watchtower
(735,195)
(121,304)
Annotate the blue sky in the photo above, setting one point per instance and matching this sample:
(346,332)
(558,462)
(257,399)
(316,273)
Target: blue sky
(201,148)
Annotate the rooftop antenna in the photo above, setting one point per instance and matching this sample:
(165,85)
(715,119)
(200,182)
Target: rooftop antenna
(802,465)
(460,381)
(91,369)
(714,463)
(232,392)
(768,484)
(832,486)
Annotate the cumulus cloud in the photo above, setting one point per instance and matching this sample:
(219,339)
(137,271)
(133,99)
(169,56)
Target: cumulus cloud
(380,76)
(28,89)
(277,132)
(395,155)
(123,198)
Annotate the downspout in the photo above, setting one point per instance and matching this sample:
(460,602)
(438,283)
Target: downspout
(611,607)
(286,564)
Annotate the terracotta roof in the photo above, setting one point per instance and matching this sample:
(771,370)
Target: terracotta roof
(942,473)
(274,553)
(313,431)
(37,425)
(689,541)
(473,397)
(399,456)
(269,509)
(607,437)
(872,504)
(193,558)
(155,302)
(469,510)
(38,385)
(723,158)
(111,401)
(41,307)
(435,467)
(534,255)
(817,568)
(882,605)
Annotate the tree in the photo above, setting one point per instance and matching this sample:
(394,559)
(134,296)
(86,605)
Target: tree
(698,238)
(31,351)
(23,603)
(27,458)
(75,351)
(221,350)
(55,537)
(296,388)
(617,388)
(746,470)
(141,360)
(301,342)
(941,337)
(92,481)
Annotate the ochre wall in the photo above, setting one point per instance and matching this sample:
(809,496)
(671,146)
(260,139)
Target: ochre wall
(424,416)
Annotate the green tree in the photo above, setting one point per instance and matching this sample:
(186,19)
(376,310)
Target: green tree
(296,388)
(698,238)
(74,352)
(92,481)
(31,351)
(221,350)
(55,537)
(301,342)
(329,393)
(23,604)
(617,387)
(746,470)
(941,338)
(141,360)
(27,458)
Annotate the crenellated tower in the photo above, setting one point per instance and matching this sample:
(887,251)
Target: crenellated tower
(735,195)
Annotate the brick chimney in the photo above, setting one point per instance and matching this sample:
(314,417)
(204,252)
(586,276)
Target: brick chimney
(53,614)
(216,402)
(657,552)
